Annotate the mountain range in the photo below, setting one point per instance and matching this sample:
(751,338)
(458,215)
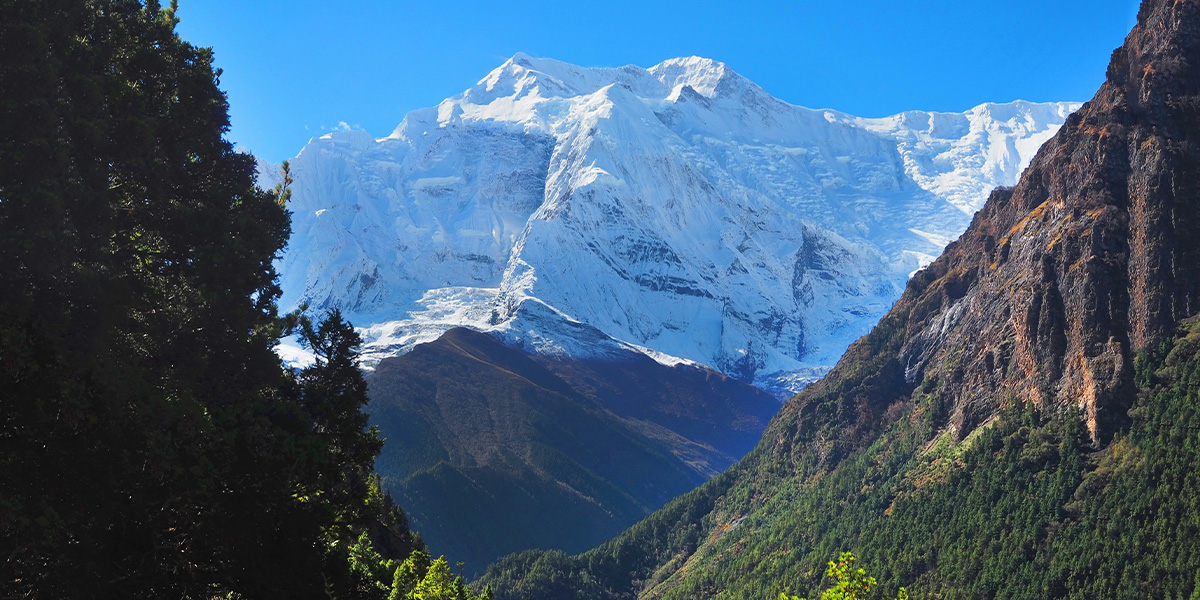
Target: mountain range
(639,246)
(680,211)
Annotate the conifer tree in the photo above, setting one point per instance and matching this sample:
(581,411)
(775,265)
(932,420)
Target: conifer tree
(151,444)
(409,575)
(439,583)
(333,392)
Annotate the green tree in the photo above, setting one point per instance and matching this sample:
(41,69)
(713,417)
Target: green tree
(409,574)
(438,584)
(151,443)
(419,579)
(849,583)
(333,392)
(368,569)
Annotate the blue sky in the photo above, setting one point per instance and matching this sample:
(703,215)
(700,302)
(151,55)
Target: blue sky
(296,69)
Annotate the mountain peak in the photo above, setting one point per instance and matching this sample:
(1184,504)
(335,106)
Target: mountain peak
(694,65)
(709,77)
(527,62)
(520,58)
(523,73)
(580,189)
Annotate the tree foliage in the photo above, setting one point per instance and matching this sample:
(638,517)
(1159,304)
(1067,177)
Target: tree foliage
(151,443)
(849,583)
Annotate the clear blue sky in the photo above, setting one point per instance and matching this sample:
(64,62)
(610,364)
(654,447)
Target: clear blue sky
(295,69)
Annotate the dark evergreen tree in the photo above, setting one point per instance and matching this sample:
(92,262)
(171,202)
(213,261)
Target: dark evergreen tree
(151,444)
(333,392)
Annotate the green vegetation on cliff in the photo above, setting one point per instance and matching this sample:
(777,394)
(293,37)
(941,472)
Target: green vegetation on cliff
(1025,507)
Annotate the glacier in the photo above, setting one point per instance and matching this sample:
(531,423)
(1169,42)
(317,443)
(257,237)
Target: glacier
(678,211)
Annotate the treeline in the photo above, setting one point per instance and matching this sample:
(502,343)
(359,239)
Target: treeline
(151,443)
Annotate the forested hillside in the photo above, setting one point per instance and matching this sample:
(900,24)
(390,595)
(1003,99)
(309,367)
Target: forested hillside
(1025,508)
(1011,428)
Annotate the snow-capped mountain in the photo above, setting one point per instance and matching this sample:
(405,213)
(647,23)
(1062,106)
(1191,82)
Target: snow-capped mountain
(680,211)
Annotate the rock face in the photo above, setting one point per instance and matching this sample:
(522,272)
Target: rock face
(1092,257)
(680,209)
(491,451)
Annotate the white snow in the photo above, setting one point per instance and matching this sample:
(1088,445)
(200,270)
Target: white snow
(680,211)
(293,354)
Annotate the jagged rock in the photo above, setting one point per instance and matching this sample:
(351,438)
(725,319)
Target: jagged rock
(1092,257)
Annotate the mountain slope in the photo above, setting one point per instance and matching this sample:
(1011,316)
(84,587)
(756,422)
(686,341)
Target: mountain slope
(1044,322)
(1062,279)
(679,208)
(492,451)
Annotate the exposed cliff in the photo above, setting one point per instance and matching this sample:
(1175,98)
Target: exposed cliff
(1089,259)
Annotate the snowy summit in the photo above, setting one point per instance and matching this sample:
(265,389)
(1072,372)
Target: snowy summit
(680,211)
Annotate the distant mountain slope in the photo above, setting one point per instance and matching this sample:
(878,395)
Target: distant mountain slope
(1014,426)
(680,209)
(491,451)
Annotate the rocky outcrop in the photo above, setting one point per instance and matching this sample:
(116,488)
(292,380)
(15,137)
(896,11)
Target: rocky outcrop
(1091,258)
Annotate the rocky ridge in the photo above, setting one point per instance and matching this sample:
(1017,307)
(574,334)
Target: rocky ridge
(1061,281)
